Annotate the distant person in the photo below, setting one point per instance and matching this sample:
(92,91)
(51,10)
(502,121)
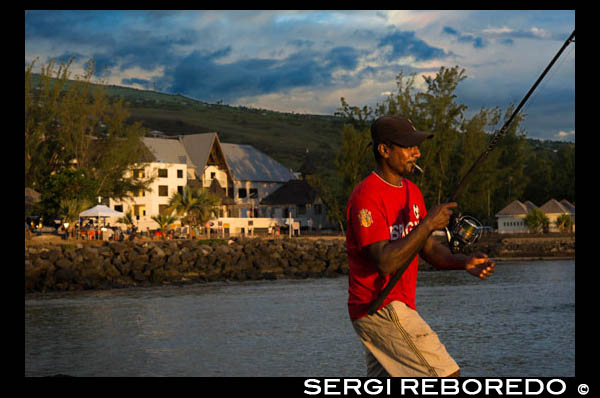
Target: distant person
(387,223)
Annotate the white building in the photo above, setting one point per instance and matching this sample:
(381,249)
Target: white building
(255,176)
(171,167)
(511,219)
(554,209)
(242,175)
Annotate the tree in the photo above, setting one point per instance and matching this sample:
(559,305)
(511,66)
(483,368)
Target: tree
(42,101)
(514,151)
(65,185)
(537,221)
(438,112)
(164,221)
(564,173)
(71,124)
(127,219)
(539,167)
(457,142)
(70,209)
(354,161)
(564,223)
(196,205)
(336,209)
(206,208)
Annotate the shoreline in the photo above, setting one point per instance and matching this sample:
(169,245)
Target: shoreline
(61,265)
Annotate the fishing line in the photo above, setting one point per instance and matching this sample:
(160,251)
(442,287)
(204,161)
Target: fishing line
(540,90)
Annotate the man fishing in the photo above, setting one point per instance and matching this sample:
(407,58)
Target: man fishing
(388,225)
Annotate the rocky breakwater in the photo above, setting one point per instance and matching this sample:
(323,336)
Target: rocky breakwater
(108,265)
(527,247)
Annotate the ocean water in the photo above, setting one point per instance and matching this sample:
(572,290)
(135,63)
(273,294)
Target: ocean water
(520,322)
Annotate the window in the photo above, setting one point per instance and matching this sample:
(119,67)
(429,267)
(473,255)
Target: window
(163,190)
(139,173)
(180,189)
(139,210)
(162,209)
(163,173)
(179,174)
(119,208)
(242,193)
(140,192)
(213,175)
(253,193)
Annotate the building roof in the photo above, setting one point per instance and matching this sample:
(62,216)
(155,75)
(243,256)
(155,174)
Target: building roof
(242,162)
(198,146)
(514,208)
(167,150)
(249,164)
(293,192)
(529,205)
(568,205)
(32,196)
(553,206)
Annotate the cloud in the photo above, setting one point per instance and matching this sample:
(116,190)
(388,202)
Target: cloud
(565,135)
(507,33)
(273,58)
(402,44)
(147,84)
(477,41)
(199,76)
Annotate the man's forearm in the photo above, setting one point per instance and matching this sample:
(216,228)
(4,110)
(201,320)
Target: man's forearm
(441,257)
(395,253)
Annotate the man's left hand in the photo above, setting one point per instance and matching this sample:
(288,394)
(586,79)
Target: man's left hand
(480,265)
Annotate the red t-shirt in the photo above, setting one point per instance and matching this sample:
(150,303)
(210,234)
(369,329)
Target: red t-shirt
(379,211)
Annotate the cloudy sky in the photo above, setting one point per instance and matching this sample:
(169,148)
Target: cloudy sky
(304,61)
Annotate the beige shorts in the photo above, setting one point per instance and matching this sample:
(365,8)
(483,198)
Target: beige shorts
(399,343)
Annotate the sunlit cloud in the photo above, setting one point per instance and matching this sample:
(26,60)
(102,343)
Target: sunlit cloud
(304,61)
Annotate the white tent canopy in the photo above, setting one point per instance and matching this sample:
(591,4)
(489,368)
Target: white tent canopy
(100,211)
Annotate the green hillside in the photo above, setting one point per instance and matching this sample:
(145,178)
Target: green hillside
(283,136)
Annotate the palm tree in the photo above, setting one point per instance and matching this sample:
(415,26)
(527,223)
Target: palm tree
(206,208)
(70,209)
(564,223)
(537,221)
(184,205)
(163,221)
(127,219)
(195,204)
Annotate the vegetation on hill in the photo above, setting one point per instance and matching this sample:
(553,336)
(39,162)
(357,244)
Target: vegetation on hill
(519,168)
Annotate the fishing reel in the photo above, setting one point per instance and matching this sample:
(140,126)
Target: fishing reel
(464,231)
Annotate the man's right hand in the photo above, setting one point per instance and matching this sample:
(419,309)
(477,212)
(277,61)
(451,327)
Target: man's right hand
(439,217)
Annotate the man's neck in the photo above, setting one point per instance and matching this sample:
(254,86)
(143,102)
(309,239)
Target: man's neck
(389,177)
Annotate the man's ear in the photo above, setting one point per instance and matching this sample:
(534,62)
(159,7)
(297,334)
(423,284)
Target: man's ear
(383,150)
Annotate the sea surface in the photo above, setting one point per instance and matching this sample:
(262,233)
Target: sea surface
(520,322)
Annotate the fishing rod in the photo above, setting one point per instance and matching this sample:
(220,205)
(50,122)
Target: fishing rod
(466,230)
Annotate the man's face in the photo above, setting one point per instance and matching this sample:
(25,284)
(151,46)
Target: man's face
(401,159)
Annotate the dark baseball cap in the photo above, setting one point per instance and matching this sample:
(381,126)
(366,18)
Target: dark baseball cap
(397,130)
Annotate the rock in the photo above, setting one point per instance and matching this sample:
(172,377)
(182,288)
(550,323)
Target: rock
(64,275)
(124,264)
